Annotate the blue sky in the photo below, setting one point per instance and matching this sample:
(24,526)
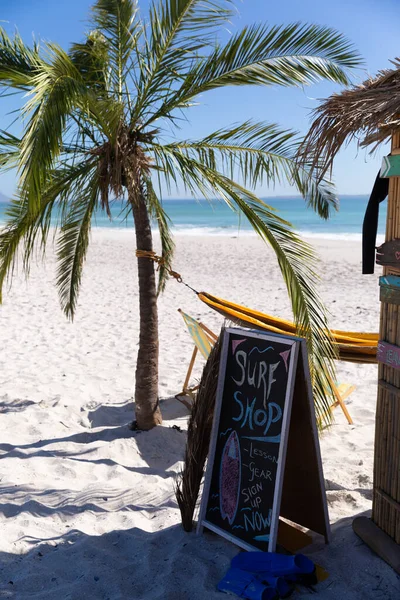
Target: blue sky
(372,25)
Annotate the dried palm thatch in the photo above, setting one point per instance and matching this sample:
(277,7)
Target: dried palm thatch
(369,112)
(198,439)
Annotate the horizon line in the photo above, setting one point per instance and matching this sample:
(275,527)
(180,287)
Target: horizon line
(280,196)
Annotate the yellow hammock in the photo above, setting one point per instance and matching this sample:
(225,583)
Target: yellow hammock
(352,346)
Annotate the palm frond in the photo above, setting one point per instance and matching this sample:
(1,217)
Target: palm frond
(259,153)
(57,89)
(64,184)
(119,23)
(104,114)
(73,243)
(296,259)
(158,213)
(22,226)
(298,263)
(92,60)
(170,19)
(26,223)
(9,150)
(17,61)
(179,29)
(10,239)
(259,55)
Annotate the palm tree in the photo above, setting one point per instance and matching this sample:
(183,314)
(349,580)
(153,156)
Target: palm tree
(95,125)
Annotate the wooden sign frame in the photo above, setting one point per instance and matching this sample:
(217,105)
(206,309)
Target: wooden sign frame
(293,498)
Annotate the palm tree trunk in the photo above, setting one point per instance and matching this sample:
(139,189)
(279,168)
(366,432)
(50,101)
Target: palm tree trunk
(147,409)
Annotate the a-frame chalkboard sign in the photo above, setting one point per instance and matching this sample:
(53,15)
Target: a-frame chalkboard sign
(264,459)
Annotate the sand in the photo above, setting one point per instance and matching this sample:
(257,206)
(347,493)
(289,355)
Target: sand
(87,506)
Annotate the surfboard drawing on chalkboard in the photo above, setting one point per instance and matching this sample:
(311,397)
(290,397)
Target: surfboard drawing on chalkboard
(229,480)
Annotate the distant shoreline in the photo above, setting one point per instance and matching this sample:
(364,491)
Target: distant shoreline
(197,232)
(5,200)
(192,217)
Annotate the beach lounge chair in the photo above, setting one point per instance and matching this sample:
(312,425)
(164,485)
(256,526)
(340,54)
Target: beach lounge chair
(204,339)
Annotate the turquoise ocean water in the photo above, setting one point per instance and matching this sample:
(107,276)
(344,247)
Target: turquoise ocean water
(199,217)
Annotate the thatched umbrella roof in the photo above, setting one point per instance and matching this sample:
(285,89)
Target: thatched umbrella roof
(369,112)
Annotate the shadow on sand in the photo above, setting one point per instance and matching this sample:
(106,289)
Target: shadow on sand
(66,503)
(12,406)
(107,415)
(112,423)
(158,449)
(172,565)
(127,564)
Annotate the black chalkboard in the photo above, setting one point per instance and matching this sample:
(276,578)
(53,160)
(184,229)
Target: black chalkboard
(244,478)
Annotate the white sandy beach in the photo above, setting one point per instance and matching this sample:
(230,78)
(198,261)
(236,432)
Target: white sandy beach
(87,507)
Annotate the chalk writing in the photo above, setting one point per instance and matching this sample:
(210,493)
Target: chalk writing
(251,491)
(249,416)
(251,494)
(256,521)
(259,473)
(225,432)
(257,374)
(257,452)
(248,438)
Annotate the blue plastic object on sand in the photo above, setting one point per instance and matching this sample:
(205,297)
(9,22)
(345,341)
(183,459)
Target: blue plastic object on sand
(246,585)
(283,588)
(278,565)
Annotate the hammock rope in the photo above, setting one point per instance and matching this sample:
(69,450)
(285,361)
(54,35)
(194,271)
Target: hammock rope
(161,262)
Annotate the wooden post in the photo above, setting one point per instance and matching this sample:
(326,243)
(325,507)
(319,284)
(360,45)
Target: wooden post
(340,397)
(190,369)
(386,496)
(382,533)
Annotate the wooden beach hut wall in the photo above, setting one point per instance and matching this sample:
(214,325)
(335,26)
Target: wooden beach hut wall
(370,114)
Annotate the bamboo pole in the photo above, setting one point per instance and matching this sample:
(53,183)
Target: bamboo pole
(393,456)
(395,449)
(385,525)
(386,496)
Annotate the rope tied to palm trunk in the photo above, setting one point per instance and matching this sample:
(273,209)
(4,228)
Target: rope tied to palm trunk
(161,262)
